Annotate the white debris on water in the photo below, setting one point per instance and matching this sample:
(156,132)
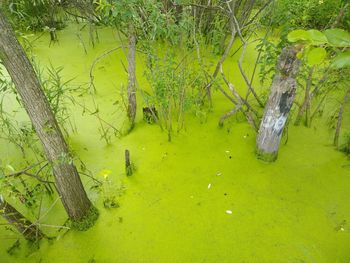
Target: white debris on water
(209,186)
(229,212)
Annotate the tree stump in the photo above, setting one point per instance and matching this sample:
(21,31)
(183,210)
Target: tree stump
(280,102)
(128,165)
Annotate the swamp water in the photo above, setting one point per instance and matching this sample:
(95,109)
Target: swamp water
(204,197)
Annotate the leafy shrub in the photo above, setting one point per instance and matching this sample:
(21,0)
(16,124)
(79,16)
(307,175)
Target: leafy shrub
(35,15)
(317,14)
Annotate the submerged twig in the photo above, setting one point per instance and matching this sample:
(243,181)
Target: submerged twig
(96,60)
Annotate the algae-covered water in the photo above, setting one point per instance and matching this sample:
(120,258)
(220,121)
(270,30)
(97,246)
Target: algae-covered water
(204,197)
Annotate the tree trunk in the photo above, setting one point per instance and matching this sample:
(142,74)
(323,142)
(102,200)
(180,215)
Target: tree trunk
(30,231)
(68,182)
(340,117)
(280,101)
(132,76)
(306,103)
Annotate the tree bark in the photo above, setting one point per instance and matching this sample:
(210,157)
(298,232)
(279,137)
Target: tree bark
(280,101)
(30,231)
(132,76)
(340,117)
(68,182)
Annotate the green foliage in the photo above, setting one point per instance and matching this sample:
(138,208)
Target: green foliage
(268,58)
(60,94)
(19,186)
(316,56)
(217,34)
(310,14)
(18,133)
(342,60)
(144,17)
(317,37)
(338,37)
(36,15)
(176,87)
(109,191)
(299,34)
(332,38)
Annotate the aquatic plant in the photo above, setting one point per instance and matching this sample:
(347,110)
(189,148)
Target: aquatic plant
(108,190)
(175,87)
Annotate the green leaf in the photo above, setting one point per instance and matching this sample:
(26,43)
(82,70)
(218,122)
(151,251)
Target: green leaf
(10,167)
(317,37)
(338,37)
(316,56)
(342,60)
(297,35)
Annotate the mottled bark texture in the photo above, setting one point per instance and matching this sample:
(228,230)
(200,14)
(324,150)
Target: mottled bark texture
(132,76)
(68,182)
(30,231)
(280,101)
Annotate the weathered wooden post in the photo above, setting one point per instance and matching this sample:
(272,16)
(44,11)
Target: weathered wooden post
(128,165)
(277,109)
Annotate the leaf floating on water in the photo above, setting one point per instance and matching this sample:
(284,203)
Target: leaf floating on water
(341,226)
(218,173)
(227,151)
(229,212)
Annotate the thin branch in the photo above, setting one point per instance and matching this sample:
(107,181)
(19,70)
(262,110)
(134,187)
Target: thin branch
(96,60)
(38,178)
(241,101)
(240,62)
(258,13)
(53,226)
(24,170)
(91,177)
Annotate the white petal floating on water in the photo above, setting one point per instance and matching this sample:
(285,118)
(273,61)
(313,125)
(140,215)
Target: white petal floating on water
(228,212)
(209,186)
